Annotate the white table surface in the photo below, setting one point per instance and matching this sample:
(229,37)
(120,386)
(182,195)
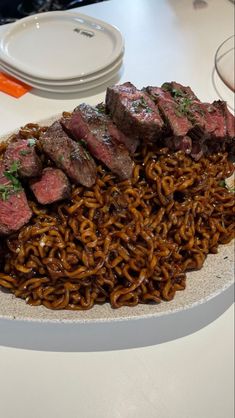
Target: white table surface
(184,368)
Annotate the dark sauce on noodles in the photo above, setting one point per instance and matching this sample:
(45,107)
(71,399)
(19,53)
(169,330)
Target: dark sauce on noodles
(122,242)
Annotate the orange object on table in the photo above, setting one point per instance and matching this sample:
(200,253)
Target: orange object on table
(12,86)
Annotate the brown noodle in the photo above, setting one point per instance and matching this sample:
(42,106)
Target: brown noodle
(124,242)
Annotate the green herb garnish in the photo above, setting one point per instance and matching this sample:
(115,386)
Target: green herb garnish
(25,152)
(31,142)
(140,104)
(167,87)
(101,107)
(61,158)
(177,93)
(14,186)
(184,107)
(12,173)
(83,143)
(4,191)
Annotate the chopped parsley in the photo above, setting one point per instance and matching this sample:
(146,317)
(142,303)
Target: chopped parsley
(166,87)
(184,103)
(12,172)
(101,107)
(83,143)
(14,186)
(174,92)
(31,142)
(25,152)
(141,104)
(183,107)
(177,93)
(61,158)
(4,191)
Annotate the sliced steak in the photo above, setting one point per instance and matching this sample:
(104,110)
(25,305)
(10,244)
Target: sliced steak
(14,209)
(68,155)
(23,152)
(179,143)
(217,115)
(178,90)
(130,143)
(190,106)
(228,117)
(52,186)
(134,112)
(230,126)
(178,124)
(90,125)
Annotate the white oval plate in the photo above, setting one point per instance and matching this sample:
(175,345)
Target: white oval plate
(60,45)
(215,277)
(60,83)
(69,88)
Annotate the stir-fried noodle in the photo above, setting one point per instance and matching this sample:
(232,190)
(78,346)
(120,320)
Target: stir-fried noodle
(123,242)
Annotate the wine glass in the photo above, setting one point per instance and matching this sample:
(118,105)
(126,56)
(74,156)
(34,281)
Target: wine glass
(224,62)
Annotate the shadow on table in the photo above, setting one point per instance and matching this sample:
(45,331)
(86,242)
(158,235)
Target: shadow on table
(114,335)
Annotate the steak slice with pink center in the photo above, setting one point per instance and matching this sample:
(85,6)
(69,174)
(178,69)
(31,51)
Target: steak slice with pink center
(29,162)
(178,123)
(190,106)
(134,112)
(90,125)
(228,118)
(52,186)
(69,155)
(14,209)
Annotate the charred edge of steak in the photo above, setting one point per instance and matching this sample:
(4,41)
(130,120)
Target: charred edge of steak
(93,127)
(69,155)
(177,124)
(130,142)
(229,118)
(204,124)
(134,112)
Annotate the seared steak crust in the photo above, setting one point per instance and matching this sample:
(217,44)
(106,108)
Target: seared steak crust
(178,124)
(69,155)
(91,126)
(134,112)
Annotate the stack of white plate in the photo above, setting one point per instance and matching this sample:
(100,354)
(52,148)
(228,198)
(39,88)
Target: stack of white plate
(61,52)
